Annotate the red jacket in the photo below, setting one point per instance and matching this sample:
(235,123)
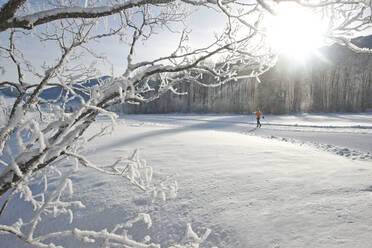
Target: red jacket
(258,114)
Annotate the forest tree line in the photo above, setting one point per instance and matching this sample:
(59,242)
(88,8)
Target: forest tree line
(335,79)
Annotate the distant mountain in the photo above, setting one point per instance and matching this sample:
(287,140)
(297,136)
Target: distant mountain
(8,91)
(54,91)
(363,41)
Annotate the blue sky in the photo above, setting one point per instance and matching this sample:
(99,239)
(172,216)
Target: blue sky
(203,22)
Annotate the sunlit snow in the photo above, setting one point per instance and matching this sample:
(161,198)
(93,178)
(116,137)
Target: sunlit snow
(268,187)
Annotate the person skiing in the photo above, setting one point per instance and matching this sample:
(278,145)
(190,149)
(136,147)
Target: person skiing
(258,116)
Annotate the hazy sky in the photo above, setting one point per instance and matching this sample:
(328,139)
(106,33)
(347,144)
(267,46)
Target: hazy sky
(203,23)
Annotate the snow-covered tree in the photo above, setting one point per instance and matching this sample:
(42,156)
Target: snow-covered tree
(48,130)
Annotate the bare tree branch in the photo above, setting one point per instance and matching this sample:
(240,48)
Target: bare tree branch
(9,9)
(32,20)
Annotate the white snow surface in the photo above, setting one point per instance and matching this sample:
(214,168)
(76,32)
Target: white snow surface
(300,181)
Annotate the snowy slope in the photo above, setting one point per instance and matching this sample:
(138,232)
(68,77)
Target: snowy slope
(250,190)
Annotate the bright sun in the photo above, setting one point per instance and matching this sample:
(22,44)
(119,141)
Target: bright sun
(295,31)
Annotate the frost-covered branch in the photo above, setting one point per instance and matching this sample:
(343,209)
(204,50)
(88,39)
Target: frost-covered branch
(118,237)
(42,17)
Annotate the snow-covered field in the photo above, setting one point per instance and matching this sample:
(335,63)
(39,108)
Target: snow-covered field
(299,181)
(347,135)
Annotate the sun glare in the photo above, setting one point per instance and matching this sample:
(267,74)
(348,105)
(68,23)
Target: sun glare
(295,31)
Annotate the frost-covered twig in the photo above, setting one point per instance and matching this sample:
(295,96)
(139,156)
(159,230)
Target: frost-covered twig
(118,237)
(135,170)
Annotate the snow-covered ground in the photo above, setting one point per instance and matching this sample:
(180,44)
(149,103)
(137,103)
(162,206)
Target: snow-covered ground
(299,181)
(347,135)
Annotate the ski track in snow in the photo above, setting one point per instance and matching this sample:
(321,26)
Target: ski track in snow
(341,151)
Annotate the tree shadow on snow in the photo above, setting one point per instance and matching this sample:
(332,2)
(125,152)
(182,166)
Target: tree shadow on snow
(227,124)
